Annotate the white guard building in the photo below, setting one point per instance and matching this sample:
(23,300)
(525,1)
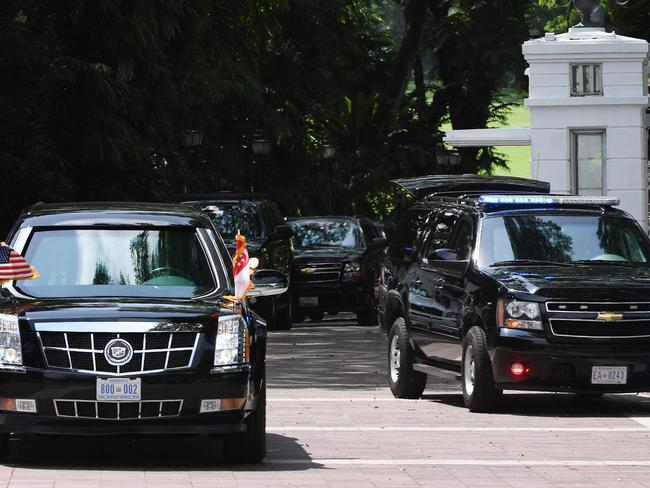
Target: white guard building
(588,94)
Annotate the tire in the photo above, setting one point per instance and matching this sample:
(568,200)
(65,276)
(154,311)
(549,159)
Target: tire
(316,316)
(4,446)
(298,317)
(403,380)
(250,447)
(479,391)
(369,315)
(269,312)
(284,317)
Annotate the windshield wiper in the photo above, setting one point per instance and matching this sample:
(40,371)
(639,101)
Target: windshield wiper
(606,262)
(522,262)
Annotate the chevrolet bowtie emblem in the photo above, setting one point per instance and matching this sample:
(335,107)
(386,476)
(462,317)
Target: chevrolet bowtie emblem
(609,316)
(308,270)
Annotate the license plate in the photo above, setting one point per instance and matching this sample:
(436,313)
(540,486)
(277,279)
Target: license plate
(608,375)
(308,301)
(118,389)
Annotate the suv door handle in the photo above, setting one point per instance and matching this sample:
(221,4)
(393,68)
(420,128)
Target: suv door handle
(417,281)
(439,283)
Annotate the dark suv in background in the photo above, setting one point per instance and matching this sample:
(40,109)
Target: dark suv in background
(268,238)
(514,290)
(336,266)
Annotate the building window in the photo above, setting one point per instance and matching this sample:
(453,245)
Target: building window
(588,162)
(586,80)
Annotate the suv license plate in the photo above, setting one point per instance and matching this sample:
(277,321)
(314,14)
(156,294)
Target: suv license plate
(608,375)
(308,301)
(119,389)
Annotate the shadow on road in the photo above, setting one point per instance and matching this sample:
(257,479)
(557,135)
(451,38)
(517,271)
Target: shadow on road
(152,453)
(335,353)
(559,404)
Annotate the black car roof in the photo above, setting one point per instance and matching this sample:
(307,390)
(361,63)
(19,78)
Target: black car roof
(113,213)
(422,186)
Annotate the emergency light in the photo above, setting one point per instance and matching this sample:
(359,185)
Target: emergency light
(546,200)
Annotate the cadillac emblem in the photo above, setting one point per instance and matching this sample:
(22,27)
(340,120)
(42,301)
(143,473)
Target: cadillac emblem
(609,316)
(118,352)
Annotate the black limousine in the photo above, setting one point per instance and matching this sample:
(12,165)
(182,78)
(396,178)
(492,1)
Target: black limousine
(129,329)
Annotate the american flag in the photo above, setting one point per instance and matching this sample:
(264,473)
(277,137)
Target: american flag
(241,268)
(13,266)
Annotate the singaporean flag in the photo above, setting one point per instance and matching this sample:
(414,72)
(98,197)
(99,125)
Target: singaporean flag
(241,268)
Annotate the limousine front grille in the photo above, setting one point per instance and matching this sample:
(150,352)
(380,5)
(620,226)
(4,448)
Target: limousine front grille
(91,409)
(599,320)
(153,352)
(319,272)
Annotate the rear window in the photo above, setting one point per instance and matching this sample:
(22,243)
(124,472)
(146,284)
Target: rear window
(154,262)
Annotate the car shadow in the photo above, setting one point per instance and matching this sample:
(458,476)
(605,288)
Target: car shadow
(150,453)
(558,404)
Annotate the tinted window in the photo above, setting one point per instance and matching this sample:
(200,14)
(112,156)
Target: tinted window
(118,262)
(562,238)
(409,234)
(326,233)
(234,219)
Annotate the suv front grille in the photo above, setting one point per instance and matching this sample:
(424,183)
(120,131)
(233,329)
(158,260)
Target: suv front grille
(152,351)
(91,409)
(599,320)
(319,272)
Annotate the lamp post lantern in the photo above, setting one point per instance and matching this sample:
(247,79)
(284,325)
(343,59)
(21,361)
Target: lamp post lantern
(261,148)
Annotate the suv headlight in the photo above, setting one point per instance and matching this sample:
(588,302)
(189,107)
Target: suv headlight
(229,348)
(352,270)
(515,314)
(11,354)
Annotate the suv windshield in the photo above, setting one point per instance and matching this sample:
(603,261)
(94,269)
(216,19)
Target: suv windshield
(236,218)
(166,263)
(328,233)
(561,239)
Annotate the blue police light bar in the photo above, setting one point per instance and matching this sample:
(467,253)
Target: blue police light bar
(546,200)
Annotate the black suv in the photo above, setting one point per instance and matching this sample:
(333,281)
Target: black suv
(517,291)
(268,238)
(337,262)
(129,331)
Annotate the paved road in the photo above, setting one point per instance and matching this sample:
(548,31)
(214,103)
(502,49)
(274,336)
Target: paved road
(332,422)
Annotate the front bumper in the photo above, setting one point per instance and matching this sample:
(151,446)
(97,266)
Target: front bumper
(46,386)
(342,296)
(566,367)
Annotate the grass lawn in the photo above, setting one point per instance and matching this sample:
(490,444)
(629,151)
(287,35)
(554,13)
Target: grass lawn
(518,157)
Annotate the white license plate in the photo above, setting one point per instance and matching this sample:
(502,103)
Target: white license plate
(119,389)
(308,301)
(608,375)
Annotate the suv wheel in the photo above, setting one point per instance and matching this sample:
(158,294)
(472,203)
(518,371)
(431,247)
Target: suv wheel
(250,447)
(403,380)
(479,392)
(369,315)
(316,316)
(4,446)
(284,316)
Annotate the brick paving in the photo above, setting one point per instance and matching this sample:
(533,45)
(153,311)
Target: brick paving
(332,422)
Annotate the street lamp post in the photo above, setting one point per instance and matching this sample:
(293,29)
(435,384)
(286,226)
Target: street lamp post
(261,147)
(328,151)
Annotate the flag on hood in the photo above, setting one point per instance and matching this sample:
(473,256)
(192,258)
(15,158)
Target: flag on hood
(13,266)
(241,268)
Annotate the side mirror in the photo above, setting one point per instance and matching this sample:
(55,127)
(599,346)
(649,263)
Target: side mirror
(444,255)
(378,242)
(282,231)
(268,282)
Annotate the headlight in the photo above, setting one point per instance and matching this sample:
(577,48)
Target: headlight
(352,270)
(229,348)
(514,314)
(11,354)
